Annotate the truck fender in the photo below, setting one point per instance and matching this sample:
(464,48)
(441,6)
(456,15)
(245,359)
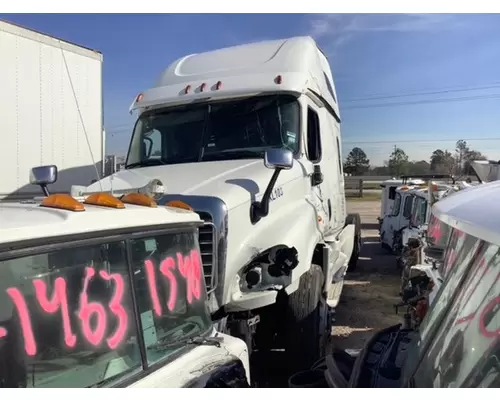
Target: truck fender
(300,232)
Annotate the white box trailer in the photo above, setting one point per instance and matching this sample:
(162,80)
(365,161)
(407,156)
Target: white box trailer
(51,109)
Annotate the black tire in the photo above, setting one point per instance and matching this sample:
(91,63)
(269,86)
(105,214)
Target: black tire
(355,219)
(306,321)
(397,246)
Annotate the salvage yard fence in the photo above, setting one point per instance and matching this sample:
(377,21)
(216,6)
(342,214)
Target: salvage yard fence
(353,186)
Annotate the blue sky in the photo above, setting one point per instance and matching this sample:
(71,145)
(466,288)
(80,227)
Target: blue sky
(372,55)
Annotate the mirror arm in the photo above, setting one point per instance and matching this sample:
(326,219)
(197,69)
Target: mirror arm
(260,209)
(45,190)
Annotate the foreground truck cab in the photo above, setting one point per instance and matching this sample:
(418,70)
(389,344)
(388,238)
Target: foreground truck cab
(249,138)
(107,292)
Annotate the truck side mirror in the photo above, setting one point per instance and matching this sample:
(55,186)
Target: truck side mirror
(43,176)
(277,159)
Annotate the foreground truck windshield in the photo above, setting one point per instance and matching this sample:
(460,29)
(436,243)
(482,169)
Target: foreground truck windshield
(219,131)
(101,312)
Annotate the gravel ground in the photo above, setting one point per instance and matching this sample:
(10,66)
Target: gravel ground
(371,291)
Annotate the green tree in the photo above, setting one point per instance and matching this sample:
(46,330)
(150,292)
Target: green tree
(464,156)
(418,167)
(461,151)
(356,162)
(398,162)
(442,162)
(471,156)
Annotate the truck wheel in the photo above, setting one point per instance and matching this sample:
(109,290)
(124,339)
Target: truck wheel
(355,220)
(353,261)
(306,322)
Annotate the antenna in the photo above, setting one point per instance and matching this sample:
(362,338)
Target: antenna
(80,115)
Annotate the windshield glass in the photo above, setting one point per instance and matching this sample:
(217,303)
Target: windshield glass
(216,131)
(464,350)
(67,317)
(419,212)
(438,233)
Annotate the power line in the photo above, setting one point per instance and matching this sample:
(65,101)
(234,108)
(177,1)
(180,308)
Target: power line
(427,89)
(414,94)
(418,141)
(449,100)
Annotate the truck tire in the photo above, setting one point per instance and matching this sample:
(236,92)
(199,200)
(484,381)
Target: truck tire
(355,219)
(306,322)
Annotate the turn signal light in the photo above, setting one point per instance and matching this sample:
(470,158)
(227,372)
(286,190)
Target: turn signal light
(179,204)
(139,199)
(104,200)
(62,201)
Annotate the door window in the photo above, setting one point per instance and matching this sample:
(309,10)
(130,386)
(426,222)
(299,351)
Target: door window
(397,205)
(313,136)
(407,207)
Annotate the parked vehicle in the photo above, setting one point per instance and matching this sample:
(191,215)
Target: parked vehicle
(249,138)
(458,342)
(389,195)
(424,241)
(103,291)
(52,111)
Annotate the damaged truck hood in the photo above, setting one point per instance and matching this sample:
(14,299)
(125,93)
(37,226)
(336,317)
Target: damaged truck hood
(235,181)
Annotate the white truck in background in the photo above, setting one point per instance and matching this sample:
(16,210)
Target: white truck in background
(249,138)
(52,111)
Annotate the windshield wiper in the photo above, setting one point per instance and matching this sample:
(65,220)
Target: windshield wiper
(146,163)
(196,340)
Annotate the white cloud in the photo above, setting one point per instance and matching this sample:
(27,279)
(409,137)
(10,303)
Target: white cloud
(337,29)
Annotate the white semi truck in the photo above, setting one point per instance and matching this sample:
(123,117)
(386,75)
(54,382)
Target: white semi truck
(52,111)
(249,138)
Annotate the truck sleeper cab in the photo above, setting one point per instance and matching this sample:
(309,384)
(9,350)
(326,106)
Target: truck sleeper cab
(121,306)
(249,138)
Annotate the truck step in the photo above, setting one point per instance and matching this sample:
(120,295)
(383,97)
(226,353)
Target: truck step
(334,294)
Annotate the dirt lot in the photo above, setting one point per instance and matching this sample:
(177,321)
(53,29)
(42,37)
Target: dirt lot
(371,291)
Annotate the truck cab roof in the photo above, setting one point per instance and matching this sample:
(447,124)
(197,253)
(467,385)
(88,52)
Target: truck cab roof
(474,212)
(292,65)
(22,221)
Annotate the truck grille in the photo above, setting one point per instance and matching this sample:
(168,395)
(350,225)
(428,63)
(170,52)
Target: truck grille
(206,240)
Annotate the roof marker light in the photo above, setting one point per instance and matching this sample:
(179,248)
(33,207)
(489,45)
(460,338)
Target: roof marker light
(104,200)
(179,204)
(62,201)
(218,85)
(139,199)
(187,89)
(203,86)
(139,97)
(278,80)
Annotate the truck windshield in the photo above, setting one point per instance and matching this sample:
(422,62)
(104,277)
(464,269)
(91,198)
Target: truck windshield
(87,316)
(419,212)
(225,130)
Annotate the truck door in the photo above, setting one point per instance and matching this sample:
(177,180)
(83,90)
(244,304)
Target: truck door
(391,223)
(320,151)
